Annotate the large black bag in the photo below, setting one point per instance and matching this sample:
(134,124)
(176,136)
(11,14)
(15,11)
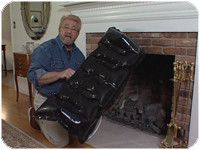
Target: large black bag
(94,87)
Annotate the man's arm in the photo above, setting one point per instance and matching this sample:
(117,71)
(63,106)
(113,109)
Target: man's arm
(38,75)
(50,77)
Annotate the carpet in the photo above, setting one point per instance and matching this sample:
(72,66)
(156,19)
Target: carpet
(16,138)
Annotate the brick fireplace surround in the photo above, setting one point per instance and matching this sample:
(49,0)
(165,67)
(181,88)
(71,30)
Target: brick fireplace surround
(182,45)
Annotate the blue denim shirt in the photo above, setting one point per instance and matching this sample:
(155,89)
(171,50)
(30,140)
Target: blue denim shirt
(52,56)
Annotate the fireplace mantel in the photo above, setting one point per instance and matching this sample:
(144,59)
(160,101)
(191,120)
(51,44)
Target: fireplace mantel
(97,12)
(134,17)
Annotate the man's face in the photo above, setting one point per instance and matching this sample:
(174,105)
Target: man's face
(69,32)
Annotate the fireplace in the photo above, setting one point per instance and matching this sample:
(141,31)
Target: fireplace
(145,102)
(162,49)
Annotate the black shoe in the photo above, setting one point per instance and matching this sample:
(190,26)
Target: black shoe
(32,122)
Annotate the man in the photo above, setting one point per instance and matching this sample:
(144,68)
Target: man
(52,62)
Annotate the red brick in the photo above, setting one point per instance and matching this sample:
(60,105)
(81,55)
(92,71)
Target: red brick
(186,42)
(187,119)
(184,125)
(88,52)
(187,85)
(174,51)
(174,34)
(183,110)
(153,50)
(88,35)
(192,35)
(96,34)
(183,118)
(185,101)
(94,46)
(94,40)
(184,94)
(88,46)
(151,34)
(180,117)
(143,42)
(185,58)
(88,40)
(134,34)
(191,51)
(162,42)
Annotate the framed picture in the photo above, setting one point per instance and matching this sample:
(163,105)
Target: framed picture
(36,19)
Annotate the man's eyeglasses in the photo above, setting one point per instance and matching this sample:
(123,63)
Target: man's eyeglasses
(75,29)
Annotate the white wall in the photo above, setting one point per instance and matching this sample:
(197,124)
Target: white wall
(6,36)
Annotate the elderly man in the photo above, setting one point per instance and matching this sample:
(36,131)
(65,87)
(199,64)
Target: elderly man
(52,62)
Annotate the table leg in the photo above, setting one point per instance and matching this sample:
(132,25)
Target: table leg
(30,92)
(17,88)
(4,58)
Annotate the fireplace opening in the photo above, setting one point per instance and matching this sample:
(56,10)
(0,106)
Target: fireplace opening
(146,100)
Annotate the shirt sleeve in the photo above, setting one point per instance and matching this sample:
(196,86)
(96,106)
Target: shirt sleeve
(37,67)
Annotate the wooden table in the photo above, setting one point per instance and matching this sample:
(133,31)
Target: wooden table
(22,62)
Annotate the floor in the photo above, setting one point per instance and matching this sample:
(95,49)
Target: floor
(15,113)
(109,134)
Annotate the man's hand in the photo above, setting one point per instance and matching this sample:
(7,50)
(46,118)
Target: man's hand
(67,73)
(54,76)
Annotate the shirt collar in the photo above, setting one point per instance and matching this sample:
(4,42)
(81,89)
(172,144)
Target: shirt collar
(62,45)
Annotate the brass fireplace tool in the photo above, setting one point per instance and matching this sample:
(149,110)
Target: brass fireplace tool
(183,73)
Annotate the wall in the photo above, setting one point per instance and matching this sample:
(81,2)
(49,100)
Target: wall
(134,17)
(6,36)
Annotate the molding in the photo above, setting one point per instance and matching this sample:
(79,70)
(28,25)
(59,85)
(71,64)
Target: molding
(98,12)
(74,4)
